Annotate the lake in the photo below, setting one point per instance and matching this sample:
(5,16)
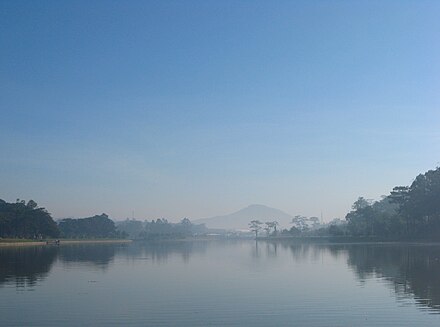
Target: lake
(220,283)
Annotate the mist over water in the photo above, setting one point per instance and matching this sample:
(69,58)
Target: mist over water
(219,283)
(208,163)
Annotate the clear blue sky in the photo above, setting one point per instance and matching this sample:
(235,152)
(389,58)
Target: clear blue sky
(199,108)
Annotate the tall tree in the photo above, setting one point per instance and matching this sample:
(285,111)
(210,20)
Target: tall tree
(300,222)
(272,225)
(255,226)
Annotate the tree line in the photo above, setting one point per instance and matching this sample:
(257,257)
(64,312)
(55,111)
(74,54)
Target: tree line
(301,225)
(160,229)
(98,226)
(408,212)
(28,221)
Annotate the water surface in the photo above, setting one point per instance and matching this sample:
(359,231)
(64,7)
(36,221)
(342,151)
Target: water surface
(220,283)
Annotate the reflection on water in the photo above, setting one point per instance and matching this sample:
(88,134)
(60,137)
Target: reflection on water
(412,270)
(159,252)
(24,266)
(231,271)
(100,255)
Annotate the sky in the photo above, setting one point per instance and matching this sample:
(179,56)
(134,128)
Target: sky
(200,108)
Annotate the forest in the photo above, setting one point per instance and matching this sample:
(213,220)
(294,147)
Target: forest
(160,229)
(26,220)
(407,212)
(98,226)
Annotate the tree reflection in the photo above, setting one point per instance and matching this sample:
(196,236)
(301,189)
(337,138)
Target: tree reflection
(100,255)
(413,270)
(25,266)
(161,251)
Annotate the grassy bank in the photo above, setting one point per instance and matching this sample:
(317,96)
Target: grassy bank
(30,242)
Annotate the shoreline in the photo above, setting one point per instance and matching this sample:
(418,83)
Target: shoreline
(10,243)
(347,240)
(303,240)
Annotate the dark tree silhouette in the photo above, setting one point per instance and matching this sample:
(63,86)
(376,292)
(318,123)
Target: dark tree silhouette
(21,220)
(255,226)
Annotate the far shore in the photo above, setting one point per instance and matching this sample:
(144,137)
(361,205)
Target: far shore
(25,242)
(348,239)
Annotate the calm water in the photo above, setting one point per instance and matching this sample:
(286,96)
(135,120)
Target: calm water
(220,283)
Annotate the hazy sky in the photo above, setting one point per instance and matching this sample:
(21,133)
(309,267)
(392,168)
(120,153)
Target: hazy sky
(182,108)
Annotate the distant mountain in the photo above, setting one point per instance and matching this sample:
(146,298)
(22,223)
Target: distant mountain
(241,218)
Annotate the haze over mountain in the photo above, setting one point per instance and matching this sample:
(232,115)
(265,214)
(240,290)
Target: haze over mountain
(241,218)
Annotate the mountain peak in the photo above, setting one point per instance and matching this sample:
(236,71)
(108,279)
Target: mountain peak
(241,218)
(256,206)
